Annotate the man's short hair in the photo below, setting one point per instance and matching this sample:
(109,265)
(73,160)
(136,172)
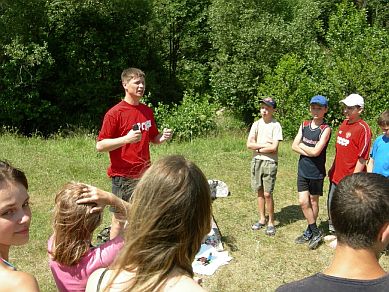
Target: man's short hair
(131,73)
(359,208)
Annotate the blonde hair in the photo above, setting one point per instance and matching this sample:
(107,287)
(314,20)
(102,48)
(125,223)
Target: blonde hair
(73,225)
(131,73)
(169,216)
(383,119)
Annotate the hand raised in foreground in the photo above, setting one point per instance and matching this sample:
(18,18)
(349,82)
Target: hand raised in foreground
(101,198)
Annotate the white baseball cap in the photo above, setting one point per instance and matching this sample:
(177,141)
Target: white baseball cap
(353,100)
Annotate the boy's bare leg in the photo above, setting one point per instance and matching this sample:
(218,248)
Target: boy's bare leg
(261,206)
(305,204)
(315,206)
(270,207)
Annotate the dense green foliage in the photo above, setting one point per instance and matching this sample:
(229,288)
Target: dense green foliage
(60,61)
(355,60)
(194,117)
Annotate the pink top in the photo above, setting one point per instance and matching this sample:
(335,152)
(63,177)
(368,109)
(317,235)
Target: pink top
(74,278)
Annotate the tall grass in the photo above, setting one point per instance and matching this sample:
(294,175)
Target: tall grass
(260,263)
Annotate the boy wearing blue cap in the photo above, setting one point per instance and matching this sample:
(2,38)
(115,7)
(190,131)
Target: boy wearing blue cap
(264,137)
(311,143)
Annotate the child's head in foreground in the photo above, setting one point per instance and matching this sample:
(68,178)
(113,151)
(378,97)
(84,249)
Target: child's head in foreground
(73,224)
(15,213)
(360,208)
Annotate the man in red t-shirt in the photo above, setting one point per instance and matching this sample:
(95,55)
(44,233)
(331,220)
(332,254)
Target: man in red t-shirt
(128,128)
(352,145)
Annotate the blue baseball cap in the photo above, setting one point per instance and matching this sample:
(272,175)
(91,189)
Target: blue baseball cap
(320,100)
(269,101)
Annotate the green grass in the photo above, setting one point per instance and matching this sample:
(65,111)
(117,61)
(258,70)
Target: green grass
(260,263)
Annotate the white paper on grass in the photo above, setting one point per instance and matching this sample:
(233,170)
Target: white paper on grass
(218,258)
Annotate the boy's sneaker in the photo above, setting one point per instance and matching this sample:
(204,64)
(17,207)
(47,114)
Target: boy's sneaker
(315,240)
(303,238)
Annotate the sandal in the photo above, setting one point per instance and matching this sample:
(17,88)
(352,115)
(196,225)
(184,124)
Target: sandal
(258,226)
(270,230)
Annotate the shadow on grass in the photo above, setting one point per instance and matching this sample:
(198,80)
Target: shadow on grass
(289,215)
(230,241)
(323,226)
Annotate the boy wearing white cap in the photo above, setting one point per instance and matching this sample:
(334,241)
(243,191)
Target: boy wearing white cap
(352,145)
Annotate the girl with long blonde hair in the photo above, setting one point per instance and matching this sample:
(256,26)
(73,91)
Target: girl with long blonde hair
(77,213)
(170,213)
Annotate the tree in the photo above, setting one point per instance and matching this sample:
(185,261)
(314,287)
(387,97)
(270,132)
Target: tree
(25,62)
(181,35)
(249,38)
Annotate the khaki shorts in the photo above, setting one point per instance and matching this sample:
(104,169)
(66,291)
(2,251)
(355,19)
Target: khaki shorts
(263,175)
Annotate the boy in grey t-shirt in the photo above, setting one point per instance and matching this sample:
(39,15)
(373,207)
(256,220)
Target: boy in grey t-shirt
(263,140)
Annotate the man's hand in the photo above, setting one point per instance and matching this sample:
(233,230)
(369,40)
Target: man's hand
(167,134)
(133,136)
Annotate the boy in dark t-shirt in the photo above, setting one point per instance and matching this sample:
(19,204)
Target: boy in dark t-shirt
(311,143)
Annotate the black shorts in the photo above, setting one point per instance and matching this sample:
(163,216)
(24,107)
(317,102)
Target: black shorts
(313,186)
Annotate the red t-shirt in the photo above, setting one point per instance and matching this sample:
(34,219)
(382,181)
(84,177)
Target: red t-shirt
(130,160)
(352,142)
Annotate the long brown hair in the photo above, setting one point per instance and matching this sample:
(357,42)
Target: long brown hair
(169,216)
(73,225)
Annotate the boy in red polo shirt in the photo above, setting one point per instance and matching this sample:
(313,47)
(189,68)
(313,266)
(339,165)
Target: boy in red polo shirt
(352,145)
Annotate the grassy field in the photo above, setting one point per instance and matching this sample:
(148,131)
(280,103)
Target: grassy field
(260,263)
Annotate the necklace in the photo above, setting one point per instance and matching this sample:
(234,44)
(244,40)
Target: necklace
(8,264)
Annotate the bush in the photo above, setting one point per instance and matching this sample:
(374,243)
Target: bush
(292,88)
(359,59)
(22,73)
(356,60)
(194,117)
